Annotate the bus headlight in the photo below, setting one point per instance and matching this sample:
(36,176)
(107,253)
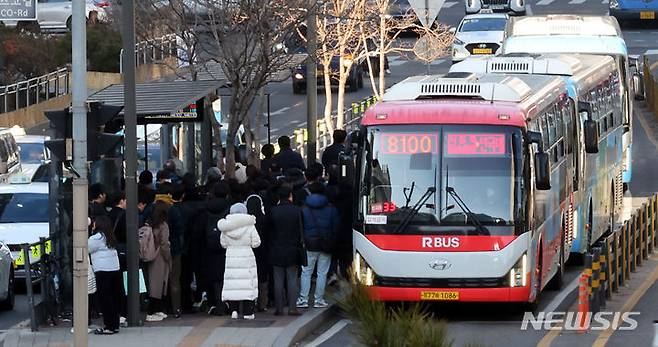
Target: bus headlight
(362,271)
(518,273)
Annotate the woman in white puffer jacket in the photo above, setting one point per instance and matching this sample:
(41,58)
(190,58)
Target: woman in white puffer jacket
(239,236)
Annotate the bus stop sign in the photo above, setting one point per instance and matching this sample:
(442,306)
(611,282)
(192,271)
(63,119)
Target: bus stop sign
(18,9)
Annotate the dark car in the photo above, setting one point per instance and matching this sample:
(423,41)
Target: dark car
(354,80)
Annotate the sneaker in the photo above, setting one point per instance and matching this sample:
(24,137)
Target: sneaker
(251,316)
(154,318)
(177,314)
(161,314)
(301,303)
(234,315)
(123,322)
(388,71)
(212,310)
(320,304)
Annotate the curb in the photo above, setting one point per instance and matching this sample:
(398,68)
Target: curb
(304,326)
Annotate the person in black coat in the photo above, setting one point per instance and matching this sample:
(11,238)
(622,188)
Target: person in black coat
(287,158)
(330,154)
(213,256)
(341,195)
(285,246)
(258,206)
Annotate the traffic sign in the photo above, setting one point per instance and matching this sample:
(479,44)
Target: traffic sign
(18,9)
(426,10)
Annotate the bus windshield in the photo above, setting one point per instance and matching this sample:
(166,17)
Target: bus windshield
(472,174)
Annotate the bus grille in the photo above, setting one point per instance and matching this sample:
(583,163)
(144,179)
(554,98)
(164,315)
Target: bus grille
(494,2)
(441,282)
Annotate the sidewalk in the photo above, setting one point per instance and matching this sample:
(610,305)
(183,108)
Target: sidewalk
(196,330)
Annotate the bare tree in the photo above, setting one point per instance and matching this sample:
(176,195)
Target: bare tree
(246,40)
(242,37)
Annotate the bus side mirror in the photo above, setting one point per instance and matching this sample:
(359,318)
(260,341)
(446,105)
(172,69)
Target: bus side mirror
(535,137)
(542,171)
(591,136)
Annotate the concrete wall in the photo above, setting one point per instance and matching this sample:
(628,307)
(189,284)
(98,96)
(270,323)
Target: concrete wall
(28,117)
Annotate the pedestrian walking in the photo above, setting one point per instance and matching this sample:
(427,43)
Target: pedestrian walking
(287,158)
(268,155)
(158,269)
(321,222)
(287,251)
(105,262)
(238,237)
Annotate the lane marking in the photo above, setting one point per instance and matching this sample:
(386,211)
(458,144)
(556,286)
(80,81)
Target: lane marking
(576,2)
(552,306)
(449,4)
(397,62)
(605,1)
(544,2)
(651,51)
(438,62)
(604,336)
(335,329)
(555,332)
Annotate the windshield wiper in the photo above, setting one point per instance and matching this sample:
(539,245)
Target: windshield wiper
(411,192)
(414,210)
(465,209)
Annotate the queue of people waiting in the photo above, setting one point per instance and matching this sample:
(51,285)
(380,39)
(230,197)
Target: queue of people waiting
(232,246)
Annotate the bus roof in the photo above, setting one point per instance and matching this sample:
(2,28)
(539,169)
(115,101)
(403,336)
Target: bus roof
(607,45)
(583,70)
(466,99)
(563,25)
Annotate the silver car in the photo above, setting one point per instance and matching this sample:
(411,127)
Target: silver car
(7,297)
(479,34)
(55,15)
(517,7)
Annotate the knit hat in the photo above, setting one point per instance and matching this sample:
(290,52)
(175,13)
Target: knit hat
(238,208)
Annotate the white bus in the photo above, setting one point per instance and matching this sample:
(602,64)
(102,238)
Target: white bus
(599,35)
(597,184)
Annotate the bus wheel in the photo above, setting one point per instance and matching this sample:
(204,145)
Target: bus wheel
(558,279)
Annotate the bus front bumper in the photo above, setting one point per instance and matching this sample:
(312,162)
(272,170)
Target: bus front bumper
(634,14)
(506,294)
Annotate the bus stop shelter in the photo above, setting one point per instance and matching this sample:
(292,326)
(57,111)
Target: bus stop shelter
(174,102)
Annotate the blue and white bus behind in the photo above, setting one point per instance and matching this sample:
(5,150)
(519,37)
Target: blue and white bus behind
(600,35)
(591,86)
(633,11)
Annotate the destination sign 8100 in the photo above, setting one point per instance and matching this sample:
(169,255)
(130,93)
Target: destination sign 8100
(18,9)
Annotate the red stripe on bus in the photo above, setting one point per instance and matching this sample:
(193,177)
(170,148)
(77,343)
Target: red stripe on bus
(427,243)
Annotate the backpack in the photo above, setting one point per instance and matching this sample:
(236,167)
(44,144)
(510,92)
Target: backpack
(212,232)
(147,249)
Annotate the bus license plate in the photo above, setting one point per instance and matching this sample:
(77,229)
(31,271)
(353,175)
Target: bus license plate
(647,15)
(439,295)
(484,50)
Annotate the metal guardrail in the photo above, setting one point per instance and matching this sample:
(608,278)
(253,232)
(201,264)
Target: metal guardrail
(55,84)
(35,90)
(153,51)
(41,250)
(612,260)
(324,137)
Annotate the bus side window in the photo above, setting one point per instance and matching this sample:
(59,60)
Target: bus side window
(560,130)
(552,134)
(544,131)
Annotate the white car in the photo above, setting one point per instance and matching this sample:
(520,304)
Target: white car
(516,7)
(55,15)
(479,34)
(7,297)
(24,216)
(33,153)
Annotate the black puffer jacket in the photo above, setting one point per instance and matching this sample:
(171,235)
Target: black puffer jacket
(285,232)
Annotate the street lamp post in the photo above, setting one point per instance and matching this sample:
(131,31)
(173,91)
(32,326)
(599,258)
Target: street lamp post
(311,84)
